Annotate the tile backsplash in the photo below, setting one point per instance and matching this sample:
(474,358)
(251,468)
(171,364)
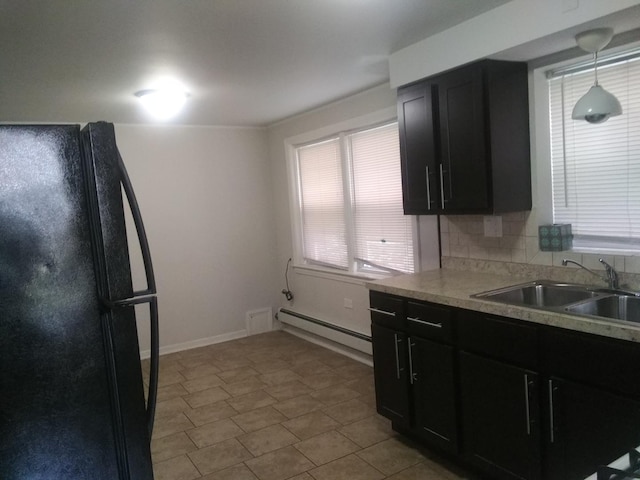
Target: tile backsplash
(462,236)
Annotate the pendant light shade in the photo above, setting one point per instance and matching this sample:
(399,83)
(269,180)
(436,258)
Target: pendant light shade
(597,105)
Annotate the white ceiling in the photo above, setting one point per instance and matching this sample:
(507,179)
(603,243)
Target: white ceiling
(244,62)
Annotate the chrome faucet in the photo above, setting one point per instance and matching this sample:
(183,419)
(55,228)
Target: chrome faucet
(612,276)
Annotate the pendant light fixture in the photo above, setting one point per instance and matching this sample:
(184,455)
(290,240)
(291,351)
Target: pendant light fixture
(597,105)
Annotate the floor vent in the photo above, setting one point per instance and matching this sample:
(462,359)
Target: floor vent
(259,321)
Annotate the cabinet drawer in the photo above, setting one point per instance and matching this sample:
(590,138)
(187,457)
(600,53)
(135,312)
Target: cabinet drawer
(499,338)
(430,321)
(386,309)
(602,362)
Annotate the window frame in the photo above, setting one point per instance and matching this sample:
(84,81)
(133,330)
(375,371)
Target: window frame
(341,129)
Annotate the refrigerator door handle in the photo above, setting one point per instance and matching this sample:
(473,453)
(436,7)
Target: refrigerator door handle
(142,235)
(126,302)
(153,374)
(143,296)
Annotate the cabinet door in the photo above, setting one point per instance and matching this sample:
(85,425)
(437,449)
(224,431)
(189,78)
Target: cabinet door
(464,167)
(390,373)
(432,377)
(418,149)
(500,417)
(586,427)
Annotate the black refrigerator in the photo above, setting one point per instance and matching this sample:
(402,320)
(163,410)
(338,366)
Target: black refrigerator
(72,399)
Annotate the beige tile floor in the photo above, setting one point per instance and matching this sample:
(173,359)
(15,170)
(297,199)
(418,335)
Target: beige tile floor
(275,407)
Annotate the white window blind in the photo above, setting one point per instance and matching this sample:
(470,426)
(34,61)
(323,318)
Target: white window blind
(383,234)
(322,204)
(350,200)
(596,167)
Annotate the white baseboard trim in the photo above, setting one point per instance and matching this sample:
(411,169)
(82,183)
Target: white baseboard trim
(202,342)
(331,345)
(318,340)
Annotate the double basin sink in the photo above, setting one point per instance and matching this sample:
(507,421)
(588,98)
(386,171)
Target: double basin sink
(569,298)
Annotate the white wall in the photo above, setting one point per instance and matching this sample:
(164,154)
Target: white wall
(206,199)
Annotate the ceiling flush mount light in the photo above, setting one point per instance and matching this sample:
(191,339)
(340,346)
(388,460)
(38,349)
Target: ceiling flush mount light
(162,103)
(597,105)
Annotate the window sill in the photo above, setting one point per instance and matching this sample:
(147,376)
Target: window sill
(622,252)
(337,275)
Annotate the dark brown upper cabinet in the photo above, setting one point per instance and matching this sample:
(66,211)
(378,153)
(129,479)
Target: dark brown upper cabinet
(464,141)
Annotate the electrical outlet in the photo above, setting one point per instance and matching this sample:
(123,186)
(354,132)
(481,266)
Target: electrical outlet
(568,5)
(348,303)
(492,226)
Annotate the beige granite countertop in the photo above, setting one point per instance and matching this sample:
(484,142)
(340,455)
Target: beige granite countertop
(454,287)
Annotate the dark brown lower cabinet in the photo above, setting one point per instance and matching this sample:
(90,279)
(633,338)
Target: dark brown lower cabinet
(433,393)
(500,417)
(414,382)
(390,374)
(414,369)
(513,399)
(586,427)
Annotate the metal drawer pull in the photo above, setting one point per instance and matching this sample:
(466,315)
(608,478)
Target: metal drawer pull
(552,437)
(412,376)
(395,344)
(383,312)
(428,190)
(430,324)
(442,186)
(526,402)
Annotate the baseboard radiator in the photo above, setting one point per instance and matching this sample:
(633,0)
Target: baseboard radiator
(343,336)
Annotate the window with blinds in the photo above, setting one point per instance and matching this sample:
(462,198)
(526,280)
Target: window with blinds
(596,167)
(322,204)
(350,194)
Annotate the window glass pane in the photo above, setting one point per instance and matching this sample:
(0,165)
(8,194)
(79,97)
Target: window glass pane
(322,204)
(596,167)
(383,234)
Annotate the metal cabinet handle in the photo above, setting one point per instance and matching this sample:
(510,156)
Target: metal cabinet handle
(412,375)
(552,437)
(424,322)
(428,189)
(526,403)
(383,312)
(442,200)
(395,344)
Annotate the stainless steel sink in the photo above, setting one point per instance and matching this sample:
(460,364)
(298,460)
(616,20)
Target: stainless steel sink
(617,307)
(542,294)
